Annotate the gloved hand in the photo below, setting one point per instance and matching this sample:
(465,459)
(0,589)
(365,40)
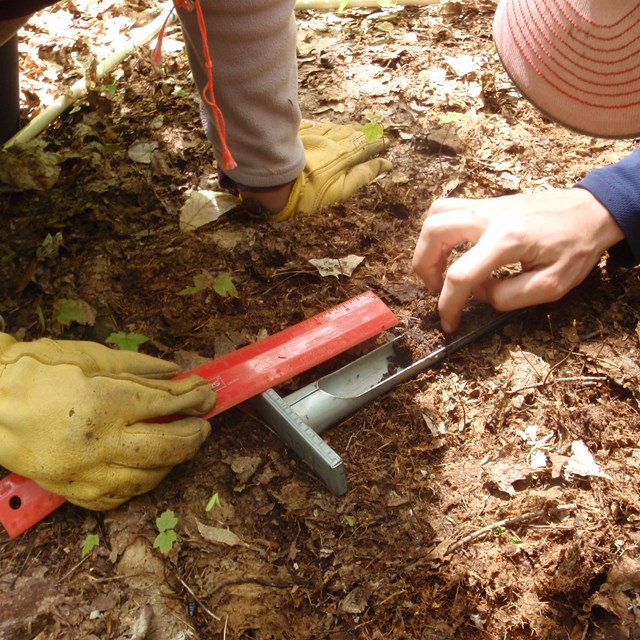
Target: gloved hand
(78,418)
(339,161)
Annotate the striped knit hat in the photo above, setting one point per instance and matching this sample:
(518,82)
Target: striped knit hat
(577,61)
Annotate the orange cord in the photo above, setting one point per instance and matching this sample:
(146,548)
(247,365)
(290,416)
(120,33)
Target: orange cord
(208,94)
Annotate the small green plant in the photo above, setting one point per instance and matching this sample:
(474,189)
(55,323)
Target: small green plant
(127,341)
(167,535)
(373,130)
(90,543)
(68,310)
(223,286)
(450,116)
(41,321)
(108,88)
(214,501)
(498,531)
(199,284)
(350,520)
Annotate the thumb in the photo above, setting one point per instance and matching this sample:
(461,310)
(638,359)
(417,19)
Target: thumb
(346,184)
(362,174)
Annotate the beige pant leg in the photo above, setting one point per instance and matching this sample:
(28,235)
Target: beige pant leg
(253,51)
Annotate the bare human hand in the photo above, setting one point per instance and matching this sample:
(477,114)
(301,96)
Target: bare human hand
(556,236)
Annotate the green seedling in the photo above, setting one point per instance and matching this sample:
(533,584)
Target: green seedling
(373,130)
(450,116)
(498,531)
(90,543)
(108,88)
(350,520)
(199,284)
(223,286)
(67,310)
(41,321)
(166,537)
(214,501)
(127,341)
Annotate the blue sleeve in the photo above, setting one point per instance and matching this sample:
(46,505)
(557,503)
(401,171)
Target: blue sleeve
(617,187)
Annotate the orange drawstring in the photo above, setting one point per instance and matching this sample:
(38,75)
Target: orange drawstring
(208,95)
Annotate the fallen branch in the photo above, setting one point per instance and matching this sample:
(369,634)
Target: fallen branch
(137,38)
(508,522)
(547,383)
(143,35)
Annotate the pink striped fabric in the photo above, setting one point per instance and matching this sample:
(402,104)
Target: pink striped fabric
(577,61)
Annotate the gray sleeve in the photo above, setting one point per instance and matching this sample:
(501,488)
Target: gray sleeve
(253,51)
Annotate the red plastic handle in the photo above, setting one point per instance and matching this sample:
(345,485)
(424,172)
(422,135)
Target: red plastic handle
(236,377)
(23,503)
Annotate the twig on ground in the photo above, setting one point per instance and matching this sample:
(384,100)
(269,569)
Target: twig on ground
(508,522)
(137,38)
(195,597)
(546,383)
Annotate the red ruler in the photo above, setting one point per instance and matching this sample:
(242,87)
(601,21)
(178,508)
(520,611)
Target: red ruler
(235,377)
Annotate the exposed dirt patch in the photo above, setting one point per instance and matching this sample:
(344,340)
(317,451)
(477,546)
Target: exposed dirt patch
(462,519)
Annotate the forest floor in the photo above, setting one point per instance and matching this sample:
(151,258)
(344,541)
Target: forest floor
(495,495)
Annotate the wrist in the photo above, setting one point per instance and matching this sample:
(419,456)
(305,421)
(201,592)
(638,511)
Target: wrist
(607,230)
(272,201)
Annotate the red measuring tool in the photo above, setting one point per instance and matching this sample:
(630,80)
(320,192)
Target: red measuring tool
(236,377)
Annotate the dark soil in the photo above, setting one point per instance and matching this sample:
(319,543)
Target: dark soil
(465,516)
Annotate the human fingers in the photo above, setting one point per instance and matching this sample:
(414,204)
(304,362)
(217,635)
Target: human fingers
(446,205)
(536,286)
(91,357)
(438,236)
(470,273)
(109,488)
(133,399)
(148,445)
(120,361)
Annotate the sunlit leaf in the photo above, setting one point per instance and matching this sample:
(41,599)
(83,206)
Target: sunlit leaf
(127,341)
(67,310)
(372,132)
(199,284)
(350,520)
(224,286)
(203,207)
(166,520)
(214,501)
(450,116)
(164,540)
(90,543)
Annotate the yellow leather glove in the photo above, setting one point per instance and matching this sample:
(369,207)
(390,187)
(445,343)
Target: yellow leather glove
(77,418)
(339,161)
